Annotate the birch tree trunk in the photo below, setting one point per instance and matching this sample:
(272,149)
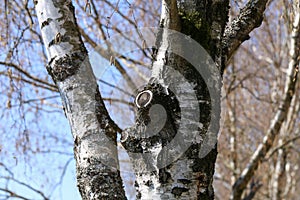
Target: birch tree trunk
(190,174)
(93,131)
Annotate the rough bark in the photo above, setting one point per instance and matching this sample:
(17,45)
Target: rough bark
(190,175)
(93,131)
(238,30)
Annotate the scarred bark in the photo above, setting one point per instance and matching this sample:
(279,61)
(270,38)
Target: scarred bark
(190,175)
(94,132)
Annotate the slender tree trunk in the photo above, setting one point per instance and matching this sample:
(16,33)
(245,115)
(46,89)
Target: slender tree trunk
(94,132)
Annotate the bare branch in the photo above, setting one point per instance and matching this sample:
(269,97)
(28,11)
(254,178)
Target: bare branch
(13,194)
(105,54)
(278,119)
(283,145)
(255,186)
(116,87)
(27,74)
(29,187)
(118,101)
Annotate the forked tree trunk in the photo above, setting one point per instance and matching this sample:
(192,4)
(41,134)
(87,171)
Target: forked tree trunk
(182,98)
(178,161)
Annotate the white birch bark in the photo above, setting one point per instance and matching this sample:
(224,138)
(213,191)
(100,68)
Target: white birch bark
(190,175)
(93,131)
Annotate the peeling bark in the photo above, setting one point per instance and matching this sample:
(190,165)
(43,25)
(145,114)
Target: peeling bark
(93,131)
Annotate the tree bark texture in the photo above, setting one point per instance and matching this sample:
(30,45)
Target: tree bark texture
(190,176)
(93,131)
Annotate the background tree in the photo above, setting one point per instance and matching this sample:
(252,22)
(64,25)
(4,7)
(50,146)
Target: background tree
(246,88)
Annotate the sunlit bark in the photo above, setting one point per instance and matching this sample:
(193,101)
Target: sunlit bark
(93,131)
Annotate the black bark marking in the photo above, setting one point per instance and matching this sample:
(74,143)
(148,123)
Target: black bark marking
(177,191)
(60,38)
(69,24)
(164,176)
(65,66)
(46,23)
(161,25)
(57,38)
(100,179)
(184,181)
(149,183)
(154,53)
(52,42)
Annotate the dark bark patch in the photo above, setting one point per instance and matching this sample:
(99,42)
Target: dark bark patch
(177,191)
(149,183)
(161,25)
(164,176)
(69,23)
(202,178)
(196,27)
(46,22)
(65,66)
(137,135)
(52,42)
(184,181)
(138,192)
(103,182)
(205,164)
(58,39)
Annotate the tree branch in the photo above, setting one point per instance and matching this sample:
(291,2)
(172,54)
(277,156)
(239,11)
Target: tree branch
(237,31)
(27,74)
(13,194)
(255,186)
(186,171)
(280,116)
(29,187)
(105,54)
(283,145)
